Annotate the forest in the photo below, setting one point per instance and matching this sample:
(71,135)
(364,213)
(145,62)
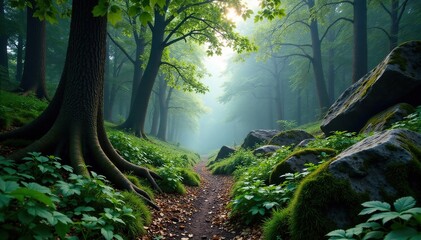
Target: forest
(210,119)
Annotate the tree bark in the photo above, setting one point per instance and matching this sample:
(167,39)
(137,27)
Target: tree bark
(72,126)
(317,63)
(360,40)
(33,77)
(137,114)
(164,99)
(4,59)
(155,117)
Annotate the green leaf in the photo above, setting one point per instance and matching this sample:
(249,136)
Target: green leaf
(381,206)
(108,234)
(413,211)
(38,187)
(8,186)
(384,216)
(337,233)
(372,225)
(374,235)
(36,211)
(402,233)
(21,193)
(62,218)
(62,229)
(81,209)
(354,231)
(404,203)
(145,18)
(133,11)
(4,200)
(248,197)
(269,205)
(115,15)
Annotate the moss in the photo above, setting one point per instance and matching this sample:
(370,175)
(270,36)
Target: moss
(142,184)
(143,217)
(277,226)
(386,117)
(318,199)
(283,167)
(190,178)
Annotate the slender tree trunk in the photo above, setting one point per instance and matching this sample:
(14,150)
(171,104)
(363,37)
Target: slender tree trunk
(317,63)
(331,75)
(394,25)
(360,40)
(163,109)
(33,77)
(137,114)
(138,72)
(155,117)
(19,58)
(4,59)
(299,109)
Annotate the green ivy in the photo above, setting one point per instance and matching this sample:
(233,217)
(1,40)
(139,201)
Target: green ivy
(401,222)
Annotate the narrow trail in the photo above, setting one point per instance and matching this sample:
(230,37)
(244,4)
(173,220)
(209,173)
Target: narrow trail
(199,214)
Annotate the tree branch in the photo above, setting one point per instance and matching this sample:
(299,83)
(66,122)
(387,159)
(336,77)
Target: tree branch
(383,30)
(332,24)
(121,48)
(176,28)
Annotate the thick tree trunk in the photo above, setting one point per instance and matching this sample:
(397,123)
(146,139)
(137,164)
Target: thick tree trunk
(107,86)
(138,72)
(360,40)
(4,60)
(33,77)
(137,114)
(72,125)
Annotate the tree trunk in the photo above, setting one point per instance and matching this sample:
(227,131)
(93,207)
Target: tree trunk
(19,58)
(107,86)
(33,77)
(394,25)
(360,40)
(4,60)
(137,114)
(163,109)
(317,63)
(331,75)
(155,117)
(72,126)
(138,62)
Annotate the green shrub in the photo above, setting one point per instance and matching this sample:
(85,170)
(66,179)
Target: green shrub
(171,181)
(339,140)
(37,203)
(190,178)
(229,165)
(403,222)
(411,122)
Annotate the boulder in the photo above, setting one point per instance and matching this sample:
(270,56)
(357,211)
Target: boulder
(266,149)
(257,137)
(290,138)
(304,143)
(224,152)
(295,162)
(383,167)
(385,119)
(395,80)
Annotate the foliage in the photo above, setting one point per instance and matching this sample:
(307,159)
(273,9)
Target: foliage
(171,181)
(401,222)
(190,177)
(229,165)
(285,125)
(339,140)
(36,202)
(411,122)
(17,111)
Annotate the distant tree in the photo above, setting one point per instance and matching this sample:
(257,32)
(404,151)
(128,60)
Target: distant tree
(4,60)
(72,126)
(33,77)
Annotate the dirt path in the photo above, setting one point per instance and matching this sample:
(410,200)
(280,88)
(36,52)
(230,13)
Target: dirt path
(199,214)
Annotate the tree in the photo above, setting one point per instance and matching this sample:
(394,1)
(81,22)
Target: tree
(4,60)
(33,77)
(200,21)
(72,125)
(360,40)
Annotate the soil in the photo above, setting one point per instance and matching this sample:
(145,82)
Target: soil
(199,214)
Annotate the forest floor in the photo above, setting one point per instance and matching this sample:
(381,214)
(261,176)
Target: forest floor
(199,214)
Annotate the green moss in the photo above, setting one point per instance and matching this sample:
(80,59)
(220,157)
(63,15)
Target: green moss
(318,199)
(283,167)
(142,184)
(190,178)
(386,117)
(135,227)
(277,226)
(229,165)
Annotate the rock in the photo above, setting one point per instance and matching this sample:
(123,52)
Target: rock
(304,143)
(385,119)
(266,149)
(224,152)
(395,80)
(290,138)
(257,137)
(295,162)
(383,167)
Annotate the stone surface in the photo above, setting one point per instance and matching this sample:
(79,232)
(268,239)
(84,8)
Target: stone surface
(385,119)
(258,137)
(395,80)
(224,152)
(290,138)
(295,162)
(304,143)
(369,165)
(266,149)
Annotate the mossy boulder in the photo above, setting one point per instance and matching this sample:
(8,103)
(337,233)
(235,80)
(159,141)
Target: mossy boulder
(224,152)
(290,138)
(296,161)
(385,119)
(395,80)
(382,167)
(266,150)
(258,137)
